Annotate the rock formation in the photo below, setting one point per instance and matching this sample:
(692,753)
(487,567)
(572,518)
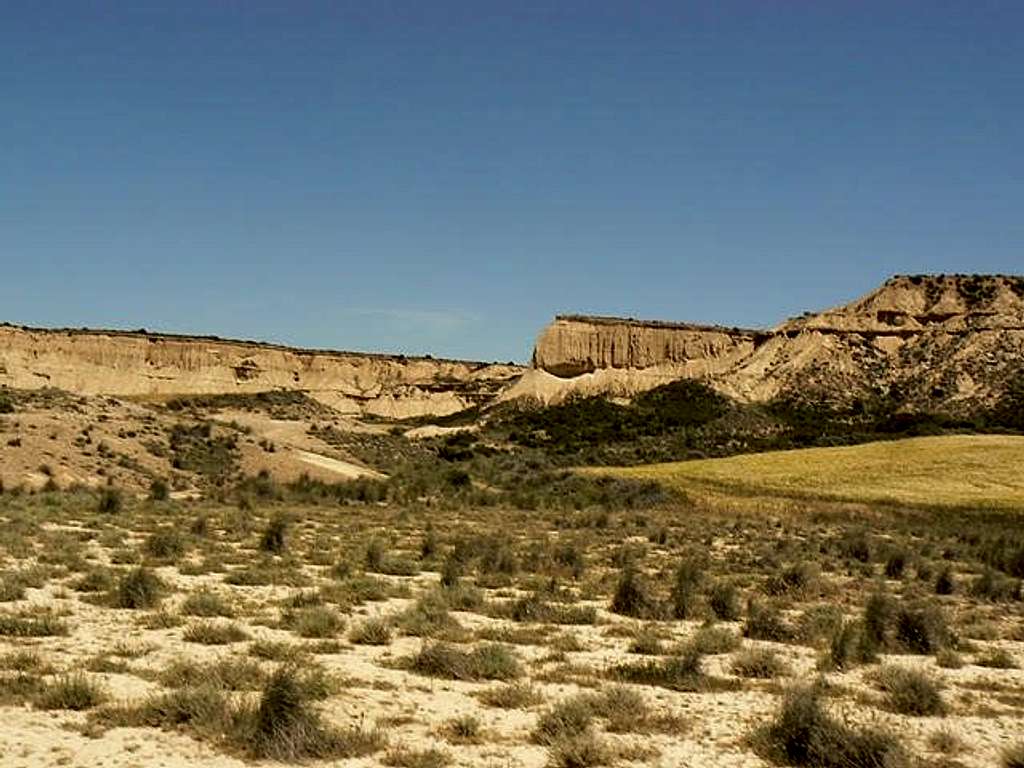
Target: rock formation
(144,365)
(576,344)
(948,342)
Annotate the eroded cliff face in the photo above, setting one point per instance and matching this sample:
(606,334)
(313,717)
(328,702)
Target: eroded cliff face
(576,344)
(949,342)
(151,365)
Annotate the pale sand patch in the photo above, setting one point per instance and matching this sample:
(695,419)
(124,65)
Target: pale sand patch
(343,468)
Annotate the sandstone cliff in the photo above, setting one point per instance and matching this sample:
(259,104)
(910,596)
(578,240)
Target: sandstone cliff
(154,365)
(949,342)
(576,344)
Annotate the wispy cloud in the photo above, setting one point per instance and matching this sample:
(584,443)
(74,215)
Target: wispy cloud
(420,322)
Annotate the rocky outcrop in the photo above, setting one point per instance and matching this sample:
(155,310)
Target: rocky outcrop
(144,365)
(578,344)
(946,342)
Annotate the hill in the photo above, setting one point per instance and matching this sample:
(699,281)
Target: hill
(950,344)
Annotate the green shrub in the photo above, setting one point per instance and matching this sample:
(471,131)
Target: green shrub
(165,544)
(206,603)
(568,717)
(922,629)
(511,696)
(879,615)
(406,757)
(75,691)
(765,622)
(214,633)
(314,622)
(275,536)
(759,663)
(485,662)
(802,733)
(371,632)
(713,640)
(944,582)
(724,600)
(631,597)
(848,647)
(139,589)
(110,501)
(158,490)
(910,691)
(686,588)
(284,727)
(895,565)
(995,588)
(998,658)
(581,750)
(680,672)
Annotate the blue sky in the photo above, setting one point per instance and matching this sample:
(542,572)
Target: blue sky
(443,177)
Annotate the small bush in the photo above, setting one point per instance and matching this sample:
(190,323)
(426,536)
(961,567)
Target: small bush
(214,633)
(922,629)
(724,601)
(275,536)
(371,632)
(464,729)
(565,718)
(646,641)
(206,603)
(802,733)
(765,622)
(910,691)
(284,727)
(759,663)
(158,490)
(944,582)
(110,501)
(998,658)
(511,696)
(895,565)
(228,674)
(94,580)
(32,625)
(624,709)
(427,617)
(139,589)
(996,588)
(686,588)
(799,579)
(404,757)
(848,647)
(314,622)
(165,544)
(713,640)
(631,597)
(76,692)
(681,672)
(485,662)
(879,614)
(580,751)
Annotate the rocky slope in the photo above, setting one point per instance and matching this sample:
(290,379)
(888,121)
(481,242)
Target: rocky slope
(143,365)
(944,342)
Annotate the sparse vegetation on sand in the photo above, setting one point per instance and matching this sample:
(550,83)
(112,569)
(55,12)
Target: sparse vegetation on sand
(518,608)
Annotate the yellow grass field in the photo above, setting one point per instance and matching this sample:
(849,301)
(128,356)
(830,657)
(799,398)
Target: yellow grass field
(962,471)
